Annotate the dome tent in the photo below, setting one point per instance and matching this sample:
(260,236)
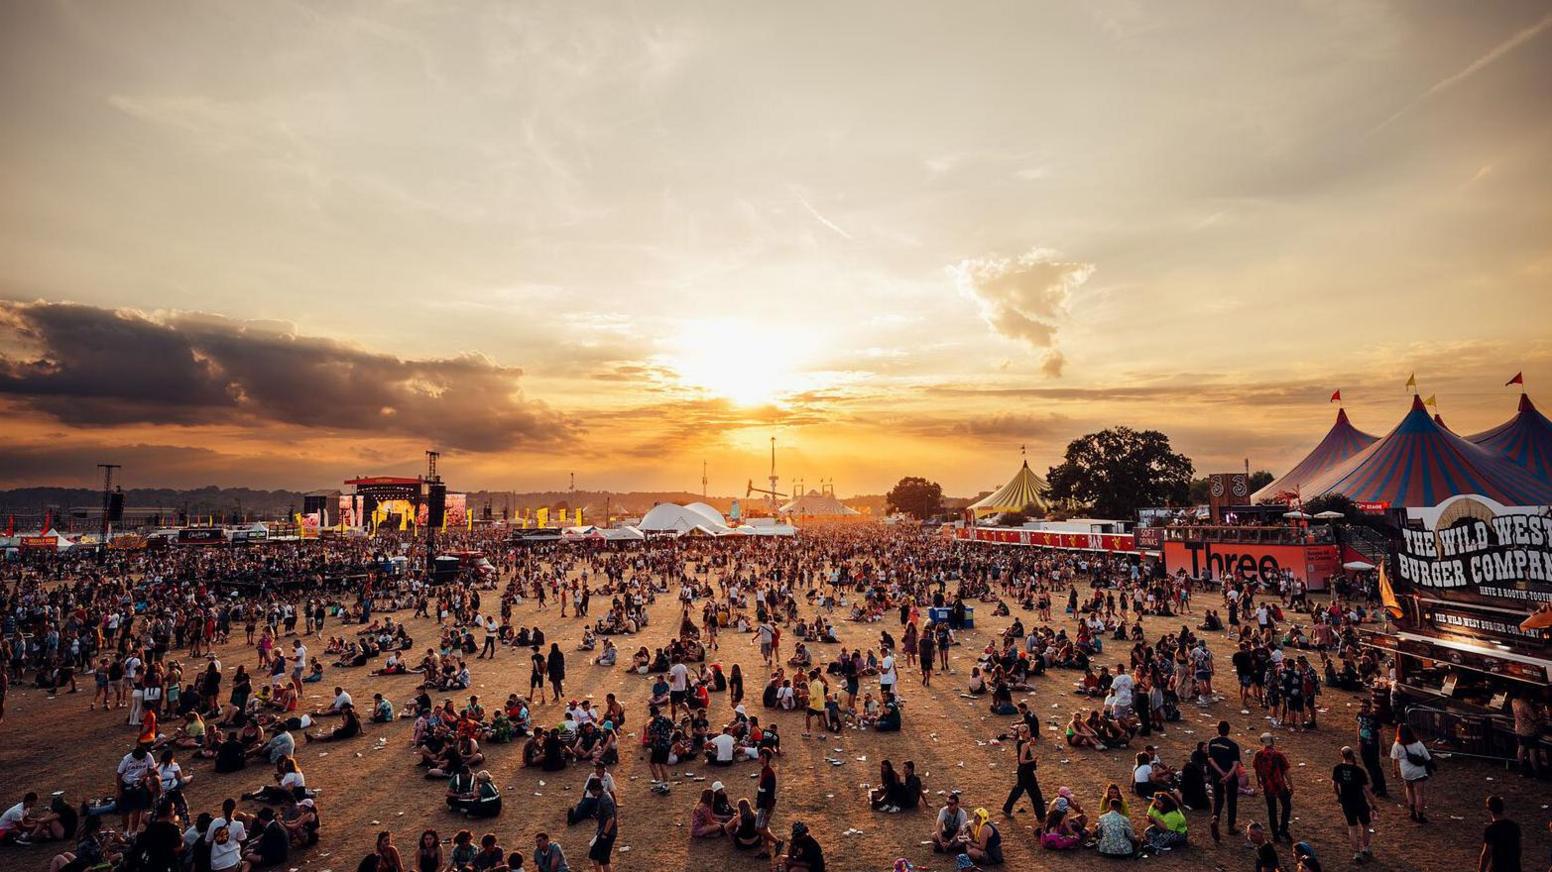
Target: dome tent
(1025,489)
(1420,463)
(1342,441)
(680,520)
(1525,439)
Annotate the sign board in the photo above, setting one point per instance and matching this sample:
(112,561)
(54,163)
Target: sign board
(1115,542)
(39,542)
(1148,538)
(1226,489)
(201,536)
(1470,549)
(1312,564)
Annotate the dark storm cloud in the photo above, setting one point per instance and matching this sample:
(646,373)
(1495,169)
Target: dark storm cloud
(92,367)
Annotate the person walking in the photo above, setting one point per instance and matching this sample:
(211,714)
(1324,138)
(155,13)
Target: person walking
(1413,763)
(1369,747)
(1356,799)
(1500,840)
(926,647)
(1271,768)
(1027,783)
(1226,762)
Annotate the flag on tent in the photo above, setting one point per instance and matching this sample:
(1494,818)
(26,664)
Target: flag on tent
(1412,381)
(1336,396)
(1388,595)
(1433,400)
(1519,379)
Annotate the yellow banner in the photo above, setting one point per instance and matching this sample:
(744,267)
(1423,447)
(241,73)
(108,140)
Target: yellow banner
(542,517)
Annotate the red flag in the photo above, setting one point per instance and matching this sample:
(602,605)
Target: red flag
(10,525)
(1336,396)
(1519,379)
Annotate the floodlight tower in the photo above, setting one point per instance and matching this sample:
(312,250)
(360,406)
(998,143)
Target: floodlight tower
(774,480)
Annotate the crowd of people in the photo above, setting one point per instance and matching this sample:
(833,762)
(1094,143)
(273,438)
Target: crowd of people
(151,629)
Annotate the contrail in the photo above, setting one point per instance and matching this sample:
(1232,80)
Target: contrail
(820,218)
(1474,67)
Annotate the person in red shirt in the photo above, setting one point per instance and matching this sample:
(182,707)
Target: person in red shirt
(1271,767)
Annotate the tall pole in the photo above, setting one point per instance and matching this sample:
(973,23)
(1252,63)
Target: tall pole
(107,493)
(431,479)
(703,480)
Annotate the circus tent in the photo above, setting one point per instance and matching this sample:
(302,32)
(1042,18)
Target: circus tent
(818,505)
(1026,489)
(1342,441)
(1525,439)
(1421,464)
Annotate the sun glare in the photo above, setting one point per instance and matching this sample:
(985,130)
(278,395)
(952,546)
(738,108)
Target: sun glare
(736,360)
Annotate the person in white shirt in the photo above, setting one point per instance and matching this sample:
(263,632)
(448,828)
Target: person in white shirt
(298,663)
(678,687)
(1121,686)
(886,672)
(341,700)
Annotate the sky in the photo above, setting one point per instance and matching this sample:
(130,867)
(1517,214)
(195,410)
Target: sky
(277,244)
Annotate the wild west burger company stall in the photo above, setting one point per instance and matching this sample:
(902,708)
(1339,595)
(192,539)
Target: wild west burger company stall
(1466,577)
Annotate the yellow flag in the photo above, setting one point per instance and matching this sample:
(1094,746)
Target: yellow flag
(1388,595)
(579,517)
(1433,400)
(543,516)
(1412,381)
(404,520)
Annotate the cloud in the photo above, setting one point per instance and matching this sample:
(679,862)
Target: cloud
(96,367)
(1024,298)
(1007,425)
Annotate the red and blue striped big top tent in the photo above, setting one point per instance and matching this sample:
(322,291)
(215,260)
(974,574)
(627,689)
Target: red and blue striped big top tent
(1421,464)
(1525,439)
(1342,441)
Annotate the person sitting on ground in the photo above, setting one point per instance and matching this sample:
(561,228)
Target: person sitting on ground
(608,656)
(948,833)
(1167,823)
(983,841)
(349,728)
(1060,830)
(1117,837)
(486,799)
(704,823)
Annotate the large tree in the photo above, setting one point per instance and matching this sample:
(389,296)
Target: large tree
(916,497)
(1115,472)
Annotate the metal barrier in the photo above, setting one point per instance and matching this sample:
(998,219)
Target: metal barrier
(1464,735)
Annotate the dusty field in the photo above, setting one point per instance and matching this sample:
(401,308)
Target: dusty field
(56,743)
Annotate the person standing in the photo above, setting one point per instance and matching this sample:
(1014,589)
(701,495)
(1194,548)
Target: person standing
(926,648)
(1027,782)
(1271,768)
(1226,763)
(1500,840)
(1413,763)
(606,813)
(556,667)
(1351,783)
(1369,747)
(536,678)
(765,804)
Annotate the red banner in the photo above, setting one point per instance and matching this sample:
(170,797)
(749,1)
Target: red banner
(1121,542)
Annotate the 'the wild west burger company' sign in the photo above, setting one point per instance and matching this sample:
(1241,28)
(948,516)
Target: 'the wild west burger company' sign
(1472,549)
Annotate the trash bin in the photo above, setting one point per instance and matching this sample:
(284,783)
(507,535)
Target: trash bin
(938,614)
(969,617)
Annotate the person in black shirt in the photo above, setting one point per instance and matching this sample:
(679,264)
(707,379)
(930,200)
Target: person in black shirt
(1266,852)
(1353,794)
(156,849)
(1500,840)
(1224,763)
(804,854)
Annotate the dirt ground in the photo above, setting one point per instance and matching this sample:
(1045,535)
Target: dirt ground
(55,743)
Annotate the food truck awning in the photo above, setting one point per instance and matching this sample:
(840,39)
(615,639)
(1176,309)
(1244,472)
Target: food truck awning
(1479,657)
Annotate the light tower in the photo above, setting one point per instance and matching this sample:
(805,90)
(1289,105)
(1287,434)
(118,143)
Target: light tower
(703,480)
(773,471)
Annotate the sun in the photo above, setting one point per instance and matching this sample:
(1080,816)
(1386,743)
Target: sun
(739,361)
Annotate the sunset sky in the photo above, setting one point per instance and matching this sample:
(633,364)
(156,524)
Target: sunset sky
(275,244)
